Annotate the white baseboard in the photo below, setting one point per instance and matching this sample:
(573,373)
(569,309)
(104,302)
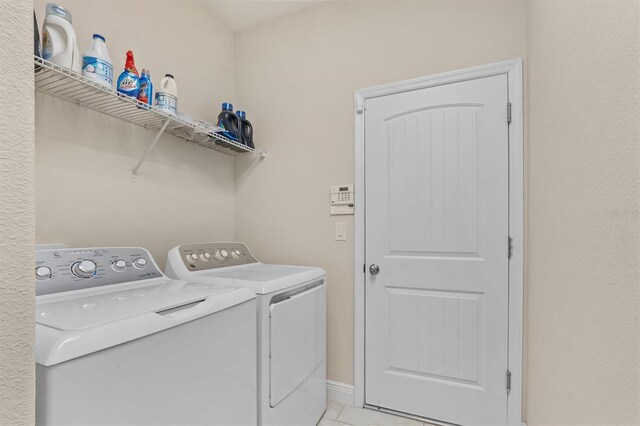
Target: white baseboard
(340,392)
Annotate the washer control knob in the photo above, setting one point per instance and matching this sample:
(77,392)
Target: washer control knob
(235,253)
(205,256)
(43,272)
(84,268)
(119,265)
(192,257)
(220,255)
(140,263)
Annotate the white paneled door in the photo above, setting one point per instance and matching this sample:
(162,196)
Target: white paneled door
(436,229)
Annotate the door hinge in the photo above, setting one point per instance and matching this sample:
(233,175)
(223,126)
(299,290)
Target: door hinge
(364,268)
(508,112)
(508,381)
(360,105)
(510,246)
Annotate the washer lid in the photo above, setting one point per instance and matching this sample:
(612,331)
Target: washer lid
(78,323)
(80,310)
(262,278)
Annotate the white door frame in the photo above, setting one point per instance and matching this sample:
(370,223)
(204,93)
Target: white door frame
(513,70)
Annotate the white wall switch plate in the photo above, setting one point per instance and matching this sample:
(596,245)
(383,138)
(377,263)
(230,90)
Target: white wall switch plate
(341,231)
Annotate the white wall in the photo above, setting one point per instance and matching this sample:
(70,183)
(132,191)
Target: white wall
(296,80)
(584,221)
(184,192)
(16,215)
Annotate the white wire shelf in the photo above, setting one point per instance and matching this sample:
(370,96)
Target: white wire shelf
(66,84)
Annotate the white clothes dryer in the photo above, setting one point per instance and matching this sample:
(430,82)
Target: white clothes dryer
(118,343)
(291,325)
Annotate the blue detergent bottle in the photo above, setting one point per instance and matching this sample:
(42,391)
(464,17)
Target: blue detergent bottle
(129,81)
(145,94)
(245,132)
(228,122)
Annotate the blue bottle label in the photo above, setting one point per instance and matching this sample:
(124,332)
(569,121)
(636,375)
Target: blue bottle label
(144,95)
(128,84)
(99,68)
(166,102)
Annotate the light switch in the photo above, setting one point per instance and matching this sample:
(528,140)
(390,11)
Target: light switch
(341,231)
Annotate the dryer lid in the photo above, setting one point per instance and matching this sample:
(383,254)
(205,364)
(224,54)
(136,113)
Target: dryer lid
(261,278)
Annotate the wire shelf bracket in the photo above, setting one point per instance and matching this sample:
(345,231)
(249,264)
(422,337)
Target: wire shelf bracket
(155,140)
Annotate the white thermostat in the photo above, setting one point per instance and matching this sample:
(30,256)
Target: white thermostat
(342,199)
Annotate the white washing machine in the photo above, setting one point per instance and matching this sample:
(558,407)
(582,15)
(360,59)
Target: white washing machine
(117,343)
(291,325)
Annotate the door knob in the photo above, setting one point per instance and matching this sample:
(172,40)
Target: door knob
(374,269)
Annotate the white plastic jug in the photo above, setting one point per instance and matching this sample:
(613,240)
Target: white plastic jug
(96,62)
(59,39)
(167,95)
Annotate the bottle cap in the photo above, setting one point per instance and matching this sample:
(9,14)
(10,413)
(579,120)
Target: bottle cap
(226,106)
(56,9)
(169,75)
(241,114)
(99,36)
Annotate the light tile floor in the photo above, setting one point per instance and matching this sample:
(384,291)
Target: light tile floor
(340,415)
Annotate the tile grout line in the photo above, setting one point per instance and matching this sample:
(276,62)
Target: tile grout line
(340,412)
(337,421)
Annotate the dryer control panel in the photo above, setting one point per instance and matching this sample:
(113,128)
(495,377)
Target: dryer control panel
(75,269)
(204,256)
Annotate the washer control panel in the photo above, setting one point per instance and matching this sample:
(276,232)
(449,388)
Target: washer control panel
(74,269)
(203,256)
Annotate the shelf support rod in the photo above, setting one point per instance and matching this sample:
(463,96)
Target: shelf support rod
(155,140)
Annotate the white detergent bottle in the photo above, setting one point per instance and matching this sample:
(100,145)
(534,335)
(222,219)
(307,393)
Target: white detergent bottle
(59,39)
(96,62)
(167,95)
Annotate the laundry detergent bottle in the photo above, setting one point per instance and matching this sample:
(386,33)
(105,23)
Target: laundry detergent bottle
(245,132)
(96,62)
(146,88)
(59,39)
(167,95)
(228,122)
(129,80)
